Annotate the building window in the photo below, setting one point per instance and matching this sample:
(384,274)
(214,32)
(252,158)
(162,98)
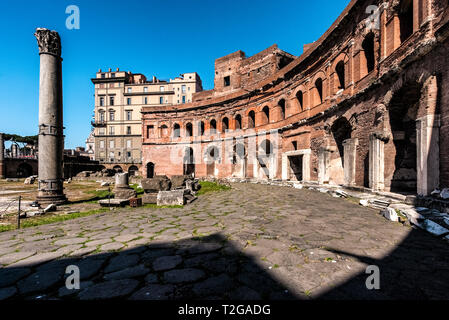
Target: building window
(101,116)
(128,144)
(161,100)
(145,89)
(128,130)
(128,115)
(128,101)
(111,101)
(251,119)
(145,100)
(227,81)
(161,88)
(101,144)
(150,130)
(183,88)
(183,99)
(101,132)
(130,90)
(111,144)
(368,50)
(111,85)
(300,97)
(340,70)
(318,91)
(176,131)
(103,75)
(111,156)
(111,130)
(111,116)
(113,75)
(128,154)
(101,101)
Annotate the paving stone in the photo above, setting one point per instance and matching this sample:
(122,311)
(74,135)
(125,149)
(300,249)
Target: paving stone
(200,259)
(166,263)
(245,293)
(10,276)
(222,265)
(6,293)
(126,237)
(36,259)
(69,241)
(16,256)
(82,251)
(128,273)
(153,253)
(154,292)
(122,261)
(109,290)
(90,266)
(151,278)
(95,243)
(64,292)
(39,282)
(112,246)
(183,275)
(214,286)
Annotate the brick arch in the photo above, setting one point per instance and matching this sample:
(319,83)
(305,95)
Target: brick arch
(299,107)
(340,81)
(317,95)
(250,125)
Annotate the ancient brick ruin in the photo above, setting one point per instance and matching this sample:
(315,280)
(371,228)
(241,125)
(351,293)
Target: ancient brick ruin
(365,105)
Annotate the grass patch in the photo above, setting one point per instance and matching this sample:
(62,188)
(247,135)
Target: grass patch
(207,187)
(37,221)
(137,188)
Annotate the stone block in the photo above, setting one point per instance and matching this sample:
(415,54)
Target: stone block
(390,214)
(149,198)
(156,184)
(113,202)
(178,182)
(170,198)
(121,193)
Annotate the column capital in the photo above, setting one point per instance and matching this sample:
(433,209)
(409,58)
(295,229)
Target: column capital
(48,41)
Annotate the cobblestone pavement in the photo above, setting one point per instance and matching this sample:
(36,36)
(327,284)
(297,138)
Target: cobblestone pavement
(251,242)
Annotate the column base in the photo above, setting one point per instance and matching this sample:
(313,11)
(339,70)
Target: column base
(45,200)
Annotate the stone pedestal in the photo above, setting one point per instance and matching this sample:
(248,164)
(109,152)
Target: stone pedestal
(428,154)
(51,139)
(376,161)
(122,189)
(349,160)
(2,157)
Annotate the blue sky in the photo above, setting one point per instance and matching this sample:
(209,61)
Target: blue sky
(153,37)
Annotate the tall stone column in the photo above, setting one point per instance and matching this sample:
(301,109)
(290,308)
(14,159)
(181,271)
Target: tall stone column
(376,161)
(51,139)
(2,157)
(428,154)
(349,158)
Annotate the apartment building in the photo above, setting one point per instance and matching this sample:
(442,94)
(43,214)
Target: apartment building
(119,97)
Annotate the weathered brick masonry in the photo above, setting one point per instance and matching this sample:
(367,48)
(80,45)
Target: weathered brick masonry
(367,104)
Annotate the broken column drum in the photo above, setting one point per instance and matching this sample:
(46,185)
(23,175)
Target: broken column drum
(51,138)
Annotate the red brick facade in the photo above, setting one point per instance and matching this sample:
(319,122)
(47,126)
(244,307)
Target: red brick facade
(365,105)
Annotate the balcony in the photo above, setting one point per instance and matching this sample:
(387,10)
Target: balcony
(97,124)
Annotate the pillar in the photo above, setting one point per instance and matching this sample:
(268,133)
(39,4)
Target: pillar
(2,157)
(428,154)
(376,161)
(324,155)
(51,139)
(349,160)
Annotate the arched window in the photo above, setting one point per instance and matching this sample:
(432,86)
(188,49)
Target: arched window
(319,91)
(281,105)
(164,130)
(189,130)
(368,49)
(300,98)
(213,126)
(176,131)
(266,114)
(201,128)
(340,71)
(238,122)
(224,124)
(251,119)
(406,19)
(266,148)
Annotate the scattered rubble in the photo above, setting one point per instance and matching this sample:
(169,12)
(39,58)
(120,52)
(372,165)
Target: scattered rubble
(30,180)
